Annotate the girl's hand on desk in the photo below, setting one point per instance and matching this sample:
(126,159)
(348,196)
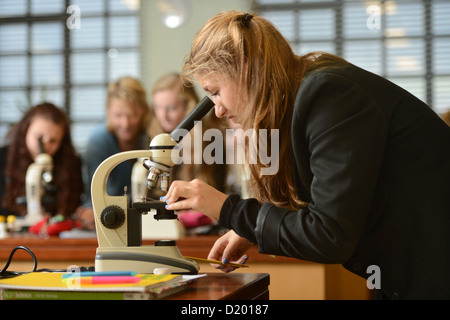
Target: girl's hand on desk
(195,195)
(229,248)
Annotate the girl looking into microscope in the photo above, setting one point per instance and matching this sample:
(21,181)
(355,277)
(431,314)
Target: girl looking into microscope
(364,174)
(50,124)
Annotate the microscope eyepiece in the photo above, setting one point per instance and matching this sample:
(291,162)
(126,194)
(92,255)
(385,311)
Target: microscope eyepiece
(161,162)
(41,145)
(202,108)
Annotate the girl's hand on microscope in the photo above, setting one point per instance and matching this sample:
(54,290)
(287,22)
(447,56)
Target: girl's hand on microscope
(229,248)
(195,195)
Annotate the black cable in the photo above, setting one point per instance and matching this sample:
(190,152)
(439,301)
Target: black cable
(9,274)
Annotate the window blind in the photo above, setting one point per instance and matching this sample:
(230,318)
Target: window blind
(44,56)
(406,41)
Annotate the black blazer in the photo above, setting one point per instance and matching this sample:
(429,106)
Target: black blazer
(373,162)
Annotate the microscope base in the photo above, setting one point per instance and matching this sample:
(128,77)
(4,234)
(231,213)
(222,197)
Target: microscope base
(31,219)
(143,259)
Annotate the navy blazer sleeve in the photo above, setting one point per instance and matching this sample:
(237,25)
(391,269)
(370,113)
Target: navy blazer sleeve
(339,133)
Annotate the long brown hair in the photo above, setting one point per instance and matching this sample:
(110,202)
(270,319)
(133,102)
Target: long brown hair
(249,50)
(67,165)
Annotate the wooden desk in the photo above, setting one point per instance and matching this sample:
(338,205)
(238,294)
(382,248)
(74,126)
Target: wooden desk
(231,286)
(56,249)
(291,279)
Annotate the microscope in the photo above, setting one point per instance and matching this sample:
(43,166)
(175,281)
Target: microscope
(38,178)
(119,223)
(152,229)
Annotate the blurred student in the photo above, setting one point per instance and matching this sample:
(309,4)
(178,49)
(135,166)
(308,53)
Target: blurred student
(124,130)
(49,123)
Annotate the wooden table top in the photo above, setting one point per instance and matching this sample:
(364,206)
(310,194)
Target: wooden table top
(230,286)
(57,249)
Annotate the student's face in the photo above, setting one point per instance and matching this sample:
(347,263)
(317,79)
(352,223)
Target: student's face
(224,93)
(52,134)
(124,119)
(169,110)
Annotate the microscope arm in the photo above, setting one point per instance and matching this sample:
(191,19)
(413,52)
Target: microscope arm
(100,199)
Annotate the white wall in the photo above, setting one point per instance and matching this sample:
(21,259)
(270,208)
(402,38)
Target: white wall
(163,50)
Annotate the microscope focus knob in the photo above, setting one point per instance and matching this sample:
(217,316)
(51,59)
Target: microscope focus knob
(112,217)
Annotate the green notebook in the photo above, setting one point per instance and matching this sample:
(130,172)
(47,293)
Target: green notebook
(49,286)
